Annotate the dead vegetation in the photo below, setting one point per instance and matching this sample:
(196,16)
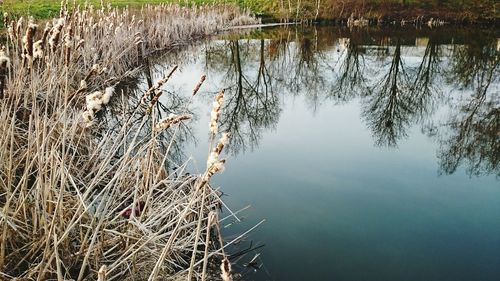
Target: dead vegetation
(81,201)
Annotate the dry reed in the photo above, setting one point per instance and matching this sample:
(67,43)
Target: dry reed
(87,203)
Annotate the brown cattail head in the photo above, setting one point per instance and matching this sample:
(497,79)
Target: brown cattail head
(155,89)
(28,40)
(197,88)
(56,34)
(172,119)
(46,32)
(224,140)
(4,65)
(217,166)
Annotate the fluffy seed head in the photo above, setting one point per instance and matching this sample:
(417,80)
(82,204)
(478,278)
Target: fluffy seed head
(172,119)
(38,50)
(4,60)
(83,85)
(225,268)
(214,115)
(108,92)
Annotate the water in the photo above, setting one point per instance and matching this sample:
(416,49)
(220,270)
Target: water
(372,154)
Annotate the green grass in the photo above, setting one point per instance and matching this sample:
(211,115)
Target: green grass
(50,8)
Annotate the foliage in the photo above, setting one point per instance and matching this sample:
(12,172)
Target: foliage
(450,10)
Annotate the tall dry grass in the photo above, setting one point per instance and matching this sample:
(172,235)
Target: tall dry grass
(82,201)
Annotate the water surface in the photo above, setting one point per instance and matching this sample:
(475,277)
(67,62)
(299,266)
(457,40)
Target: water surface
(372,154)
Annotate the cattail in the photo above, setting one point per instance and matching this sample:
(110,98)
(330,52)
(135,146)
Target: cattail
(70,31)
(38,50)
(46,32)
(132,22)
(4,66)
(156,87)
(157,90)
(4,60)
(64,8)
(214,165)
(81,22)
(12,32)
(95,102)
(56,34)
(5,18)
(213,162)
(83,85)
(88,118)
(95,69)
(108,92)
(80,44)
(19,25)
(81,89)
(172,119)
(67,49)
(138,42)
(197,88)
(28,40)
(101,274)
(68,43)
(214,115)
(225,268)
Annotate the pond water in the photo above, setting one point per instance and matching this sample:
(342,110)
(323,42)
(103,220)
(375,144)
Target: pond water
(372,154)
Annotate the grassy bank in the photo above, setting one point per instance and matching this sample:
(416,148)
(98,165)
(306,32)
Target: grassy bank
(50,8)
(453,11)
(87,182)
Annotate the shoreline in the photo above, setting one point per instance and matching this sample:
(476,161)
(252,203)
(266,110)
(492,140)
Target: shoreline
(483,13)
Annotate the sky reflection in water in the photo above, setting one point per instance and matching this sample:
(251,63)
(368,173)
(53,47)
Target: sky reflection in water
(372,154)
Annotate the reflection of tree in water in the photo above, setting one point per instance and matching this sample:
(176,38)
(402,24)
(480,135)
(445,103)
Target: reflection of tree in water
(297,67)
(473,135)
(351,81)
(127,100)
(389,107)
(251,105)
(470,61)
(424,90)
(394,95)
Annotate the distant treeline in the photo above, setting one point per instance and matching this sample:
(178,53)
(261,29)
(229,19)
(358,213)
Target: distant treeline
(453,11)
(374,11)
